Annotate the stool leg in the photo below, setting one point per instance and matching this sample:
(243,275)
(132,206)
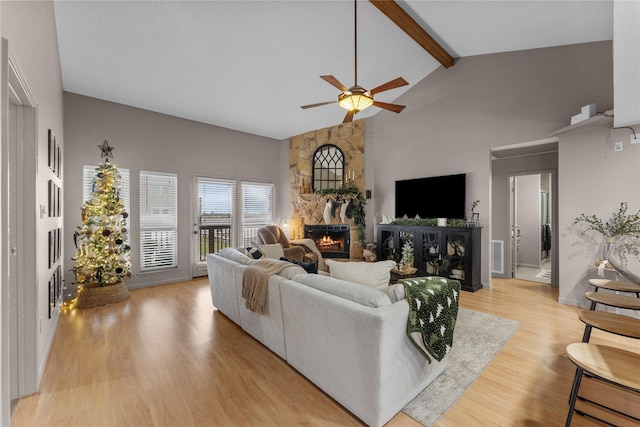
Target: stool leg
(574,395)
(587,333)
(593,305)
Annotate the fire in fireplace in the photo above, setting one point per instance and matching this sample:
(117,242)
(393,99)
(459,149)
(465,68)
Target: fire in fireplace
(332,240)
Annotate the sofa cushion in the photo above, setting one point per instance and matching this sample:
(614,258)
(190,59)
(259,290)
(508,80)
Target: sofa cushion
(396,292)
(373,274)
(292,271)
(309,267)
(234,255)
(357,293)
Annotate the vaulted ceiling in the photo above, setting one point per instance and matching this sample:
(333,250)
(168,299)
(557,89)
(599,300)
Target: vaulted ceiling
(250,65)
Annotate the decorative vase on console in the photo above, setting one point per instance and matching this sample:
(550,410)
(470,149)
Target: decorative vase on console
(621,232)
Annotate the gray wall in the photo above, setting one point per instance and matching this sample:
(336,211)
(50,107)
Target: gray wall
(30,30)
(455,116)
(593,179)
(144,140)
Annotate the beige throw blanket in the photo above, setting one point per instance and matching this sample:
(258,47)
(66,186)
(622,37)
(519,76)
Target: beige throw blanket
(311,246)
(255,282)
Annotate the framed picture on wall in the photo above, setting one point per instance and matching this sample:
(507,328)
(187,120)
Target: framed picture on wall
(52,149)
(52,297)
(59,243)
(50,240)
(58,160)
(58,288)
(58,210)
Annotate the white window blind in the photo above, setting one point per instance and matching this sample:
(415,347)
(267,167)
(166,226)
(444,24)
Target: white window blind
(217,215)
(257,209)
(158,220)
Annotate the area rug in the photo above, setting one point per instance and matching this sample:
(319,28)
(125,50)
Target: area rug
(478,337)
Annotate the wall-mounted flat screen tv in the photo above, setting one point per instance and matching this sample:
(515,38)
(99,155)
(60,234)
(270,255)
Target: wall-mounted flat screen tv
(432,197)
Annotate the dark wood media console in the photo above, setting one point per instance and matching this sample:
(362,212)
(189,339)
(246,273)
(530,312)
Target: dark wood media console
(452,252)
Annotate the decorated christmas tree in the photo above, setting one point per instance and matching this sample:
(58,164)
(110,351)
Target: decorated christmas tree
(102,258)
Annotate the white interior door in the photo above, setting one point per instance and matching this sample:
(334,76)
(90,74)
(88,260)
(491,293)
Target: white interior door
(20,226)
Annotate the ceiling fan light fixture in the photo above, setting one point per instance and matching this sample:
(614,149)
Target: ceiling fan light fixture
(355,102)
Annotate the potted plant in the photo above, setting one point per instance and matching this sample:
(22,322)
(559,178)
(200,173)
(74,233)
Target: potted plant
(616,231)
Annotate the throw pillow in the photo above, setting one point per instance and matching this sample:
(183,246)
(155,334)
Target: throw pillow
(273,250)
(254,252)
(373,274)
(396,292)
(309,267)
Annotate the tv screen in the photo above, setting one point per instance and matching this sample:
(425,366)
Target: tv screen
(432,197)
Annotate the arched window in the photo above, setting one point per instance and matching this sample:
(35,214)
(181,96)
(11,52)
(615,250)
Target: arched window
(328,167)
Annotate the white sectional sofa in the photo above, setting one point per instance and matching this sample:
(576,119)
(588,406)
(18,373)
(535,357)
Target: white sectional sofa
(348,339)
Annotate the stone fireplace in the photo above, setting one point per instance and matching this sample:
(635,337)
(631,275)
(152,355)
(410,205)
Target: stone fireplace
(307,207)
(333,240)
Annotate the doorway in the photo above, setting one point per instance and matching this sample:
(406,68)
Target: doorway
(531,213)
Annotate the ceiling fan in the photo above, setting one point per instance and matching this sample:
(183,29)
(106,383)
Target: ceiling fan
(357,98)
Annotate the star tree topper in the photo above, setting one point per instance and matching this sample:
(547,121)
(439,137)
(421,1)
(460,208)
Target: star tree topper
(106,150)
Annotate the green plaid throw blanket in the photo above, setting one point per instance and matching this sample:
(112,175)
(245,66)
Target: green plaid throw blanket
(433,310)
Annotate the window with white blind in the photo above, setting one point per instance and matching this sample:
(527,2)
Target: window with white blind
(216,215)
(158,220)
(88,178)
(257,209)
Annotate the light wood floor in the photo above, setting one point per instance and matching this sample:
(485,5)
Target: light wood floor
(165,357)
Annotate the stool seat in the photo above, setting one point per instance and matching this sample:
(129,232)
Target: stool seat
(614,285)
(618,324)
(612,364)
(613,300)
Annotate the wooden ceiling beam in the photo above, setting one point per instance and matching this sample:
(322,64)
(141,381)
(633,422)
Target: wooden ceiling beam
(402,19)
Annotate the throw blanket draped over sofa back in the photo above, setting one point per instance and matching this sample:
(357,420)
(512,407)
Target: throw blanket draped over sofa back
(256,279)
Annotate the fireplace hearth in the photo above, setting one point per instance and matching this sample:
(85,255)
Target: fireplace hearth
(332,240)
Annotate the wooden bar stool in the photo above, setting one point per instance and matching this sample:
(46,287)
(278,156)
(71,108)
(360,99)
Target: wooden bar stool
(609,364)
(618,324)
(615,286)
(613,300)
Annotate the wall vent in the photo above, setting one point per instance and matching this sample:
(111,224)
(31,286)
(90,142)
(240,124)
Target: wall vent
(497,256)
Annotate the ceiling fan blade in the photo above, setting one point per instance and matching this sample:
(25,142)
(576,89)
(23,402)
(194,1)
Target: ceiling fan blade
(391,107)
(349,117)
(319,104)
(334,82)
(389,85)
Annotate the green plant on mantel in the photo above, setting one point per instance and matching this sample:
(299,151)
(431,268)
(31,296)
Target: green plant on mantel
(346,194)
(431,222)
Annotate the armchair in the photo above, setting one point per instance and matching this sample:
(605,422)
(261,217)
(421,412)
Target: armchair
(292,250)
(271,234)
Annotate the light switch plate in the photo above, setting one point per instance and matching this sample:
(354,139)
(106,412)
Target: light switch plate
(618,146)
